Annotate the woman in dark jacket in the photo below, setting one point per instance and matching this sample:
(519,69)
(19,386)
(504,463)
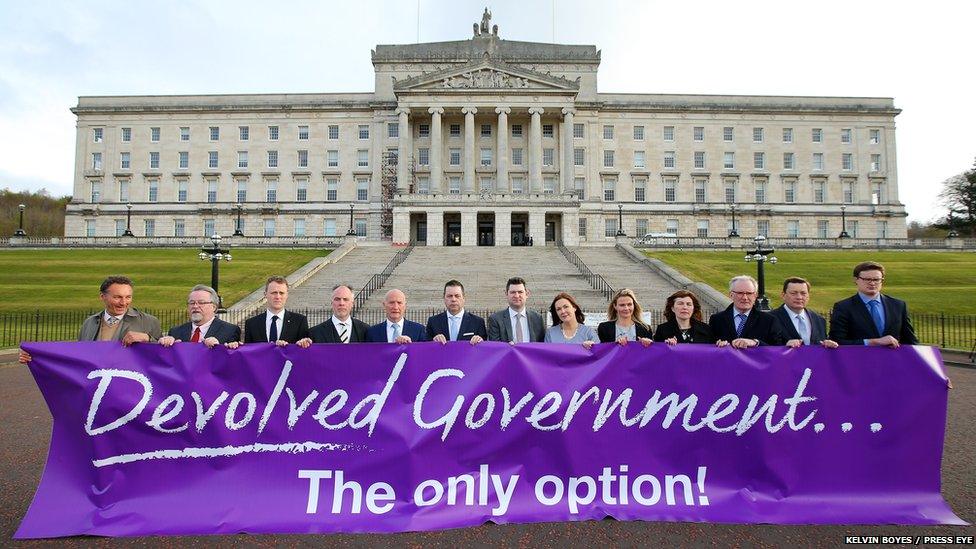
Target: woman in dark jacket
(684,321)
(625,322)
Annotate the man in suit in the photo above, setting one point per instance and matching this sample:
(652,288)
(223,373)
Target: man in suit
(454,324)
(120,321)
(801,326)
(341,328)
(396,329)
(275,324)
(742,324)
(204,326)
(868,317)
(516,324)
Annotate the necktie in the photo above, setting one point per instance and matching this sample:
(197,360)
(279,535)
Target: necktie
(454,327)
(740,323)
(803,329)
(273,336)
(396,333)
(875,307)
(344,334)
(112,321)
(519,334)
(196,335)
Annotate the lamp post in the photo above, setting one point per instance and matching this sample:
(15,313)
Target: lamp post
(351,231)
(733,233)
(761,254)
(951,221)
(214,254)
(843,222)
(20,227)
(128,220)
(620,220)
(239,228)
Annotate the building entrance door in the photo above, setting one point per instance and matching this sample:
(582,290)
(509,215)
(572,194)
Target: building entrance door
(453,233)
(486,233)
(422,232)
(519,237)
(550,232)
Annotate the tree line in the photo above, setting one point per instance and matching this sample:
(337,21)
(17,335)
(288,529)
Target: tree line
(43,216)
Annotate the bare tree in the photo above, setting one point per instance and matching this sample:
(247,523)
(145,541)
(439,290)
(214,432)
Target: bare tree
(958,195)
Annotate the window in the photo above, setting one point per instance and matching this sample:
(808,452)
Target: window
(816,135)
(701,188)
(241,159)
(818,161)
(153,190)
(609,189)
(454,185)
(608,132)
(455,130)
(671,226)
(638,133)
(486,130)
(789,192)
(727,134)
(125,160)
(882,229)
(272,159)
(730,191)
(301,194)
(547,130)
(757,135)
(486,157)
(184,160)
(702,228)
(119,227)
(849,191)
(516,130)
(728,161)
(852,228)
(302,159)
(96,161)
(332,158)
(211,191)
(787,135)
(154,161)
(547,157)
(183,189)
(244,133)
(423,156)
(759,160)
(699,160)
(875,162)
(847,162)
(582,227)
(330,227)
(269,227)
(669,133)
(670,189)
(271,190)
(760,192)
(875,137)
(578,131)
(641,227)
(214,133)
(98,134)
(123,190)
(845,135)
(360,227)
(212,159)
(423,185)
(89,227)
(364,131)
(610,227)
(548,185)
(208,227)
(179,227)
(762,227)
(362,189)
(579,184)
(126,135)
(517,156)
(579,157)
(393,130)
(96,191)
(607,159)
(272,133)
(823,228)
(793,228)
(299,227)
(303,133)
(184,133)
(789,161)
(423,130)
(640,159)
(819,191)
(669,159)
(333,131)
(332,189)
(699,133)
(455,157)
(392,156)
(362,158)
(640,193)
(241,189)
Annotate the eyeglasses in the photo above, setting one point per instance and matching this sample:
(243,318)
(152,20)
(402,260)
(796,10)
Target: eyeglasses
(201,303)
(875,280)
(743,294)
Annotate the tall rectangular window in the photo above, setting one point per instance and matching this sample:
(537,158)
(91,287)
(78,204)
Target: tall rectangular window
(119,227)
(362,189)
(699,160)
(393,130)
(332,158)
(454,156)
(875,162)
(486,130)
(638,133)
(548,185)
(728,161)
(269,227)
(816,135)
(609,190)
(582,228)
(423,130)
(360,227)
(762,227)
(610,226)
(670,189)
(98,134)
(547,156)
(669,159)
(849,192)
(184,160)
(641,227)
(423,156)
(789,191)
(179,227)
(640,160)
(578,131)
(547,130)
(668,133)
(793,228)
(787,135)
(301,194)
(875,137)
(757,135)
(759,160)
(823,228)
(730,191)
(819,191)
(96,192)
(701,188)
(671,226)
(214,133)
(330,227)
(702,231)
(333,131)
(846,135)
(727,134)
(123,190)
(640,190)
(241,189)
(96,163)
(608,132)
(154,161)
(818,162)
(607,159)
(699,133)
(185,133)
(362,158)
(272,159)
(516,130)
(154,135)
(847,162)
(454,185)
(242,159)
(789,161)
(125,161)
(517,156)
(332,189)
(579,184)
(364,131)
(271,190)
(882,229)
(303,159)
(579,157)
(302,133)
(760,192)
(153,190)
(299,227)
(183,190)
(423,185)
(150,227)
(273,133)
(486,157)
(244,133)
(212,159)
(211,191)
(126,135)
(852,228)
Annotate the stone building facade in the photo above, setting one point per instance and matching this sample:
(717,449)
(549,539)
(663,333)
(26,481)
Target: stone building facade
(486,141)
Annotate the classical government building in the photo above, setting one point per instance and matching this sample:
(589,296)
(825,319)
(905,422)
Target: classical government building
(487,142)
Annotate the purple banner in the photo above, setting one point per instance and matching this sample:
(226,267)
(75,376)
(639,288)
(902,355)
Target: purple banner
(388,438)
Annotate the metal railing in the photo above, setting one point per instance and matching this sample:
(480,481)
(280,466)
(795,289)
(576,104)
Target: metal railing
(681,242)
(379,279)
(595,280)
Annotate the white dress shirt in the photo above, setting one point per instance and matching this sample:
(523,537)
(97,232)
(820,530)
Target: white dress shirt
(389,329)
(796,324)
(457,320)
(267,323)
(338,327)
(525,324)
(204,328)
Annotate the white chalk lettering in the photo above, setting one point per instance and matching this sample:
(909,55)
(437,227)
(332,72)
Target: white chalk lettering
(376,400)
(106,377)
(204,417)
(161,415)
(448,419)
(252,405)
(275,395)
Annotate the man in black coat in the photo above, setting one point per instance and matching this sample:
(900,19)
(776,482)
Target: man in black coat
(455,324)
(341,327)
(204,326)
(741,324)
(276,324)
(800,325)
(868,317)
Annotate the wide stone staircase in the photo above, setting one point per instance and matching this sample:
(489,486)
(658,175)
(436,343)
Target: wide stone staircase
(354,269)
(620,271)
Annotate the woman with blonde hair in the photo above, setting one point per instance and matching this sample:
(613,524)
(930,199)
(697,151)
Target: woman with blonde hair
(624,321)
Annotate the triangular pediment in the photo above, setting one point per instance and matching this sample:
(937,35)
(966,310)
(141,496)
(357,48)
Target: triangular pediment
(487,75)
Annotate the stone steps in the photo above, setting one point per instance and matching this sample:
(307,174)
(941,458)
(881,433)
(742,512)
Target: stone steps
(355,269)
(620,271)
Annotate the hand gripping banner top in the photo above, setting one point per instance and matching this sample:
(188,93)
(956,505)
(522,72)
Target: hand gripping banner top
(388,438)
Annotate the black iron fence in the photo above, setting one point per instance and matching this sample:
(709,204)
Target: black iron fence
(379,279)
(937,329)
(595,280)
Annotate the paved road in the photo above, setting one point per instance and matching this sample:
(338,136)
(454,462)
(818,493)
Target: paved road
(26,428)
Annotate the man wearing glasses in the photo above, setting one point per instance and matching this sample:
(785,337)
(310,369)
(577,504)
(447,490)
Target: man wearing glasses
(742,325)
(203,327)
(869,318)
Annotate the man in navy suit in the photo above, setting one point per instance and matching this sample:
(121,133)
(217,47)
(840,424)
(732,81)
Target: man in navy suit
(275,325)
(869,318)
(800,325)
(204,326)
(454,324)
(742,325)
(396,329)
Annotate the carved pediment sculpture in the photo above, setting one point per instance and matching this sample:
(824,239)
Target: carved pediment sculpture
(484,78)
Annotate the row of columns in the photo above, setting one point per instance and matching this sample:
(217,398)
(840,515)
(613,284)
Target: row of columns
(502,224)
(471,159)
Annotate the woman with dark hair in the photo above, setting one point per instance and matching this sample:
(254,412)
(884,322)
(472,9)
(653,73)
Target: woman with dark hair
(567,323)
(684,321)
(625,322)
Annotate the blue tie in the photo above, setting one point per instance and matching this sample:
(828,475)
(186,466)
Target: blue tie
(740,323)
(875,307)
(396,333)
(454,327)
(274,330)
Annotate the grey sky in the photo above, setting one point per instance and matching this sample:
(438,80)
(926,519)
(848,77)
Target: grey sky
(918,53)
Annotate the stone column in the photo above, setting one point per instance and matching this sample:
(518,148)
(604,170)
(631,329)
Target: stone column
(566,173)
(535,151)
(501,183)
(401,226)
(503,227)
(469,157)
(571,228)
(469,227)
(436,148)
(405,151)
(435,228)
(537,227)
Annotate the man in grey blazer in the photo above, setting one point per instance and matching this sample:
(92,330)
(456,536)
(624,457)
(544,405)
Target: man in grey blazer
(204,326)
(516,324)
(800,325)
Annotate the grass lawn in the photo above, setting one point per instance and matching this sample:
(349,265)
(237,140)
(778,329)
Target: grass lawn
(67,280)
(931,282)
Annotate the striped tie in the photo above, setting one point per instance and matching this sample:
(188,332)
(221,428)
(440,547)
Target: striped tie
(740,323)
(344,334)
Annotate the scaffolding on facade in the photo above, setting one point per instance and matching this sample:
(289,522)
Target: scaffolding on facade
(389,188)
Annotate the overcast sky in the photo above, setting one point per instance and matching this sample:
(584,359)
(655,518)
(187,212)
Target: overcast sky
(919,53)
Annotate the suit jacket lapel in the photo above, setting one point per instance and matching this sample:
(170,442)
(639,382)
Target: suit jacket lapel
(786,319)
(862,311)
(889,312)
